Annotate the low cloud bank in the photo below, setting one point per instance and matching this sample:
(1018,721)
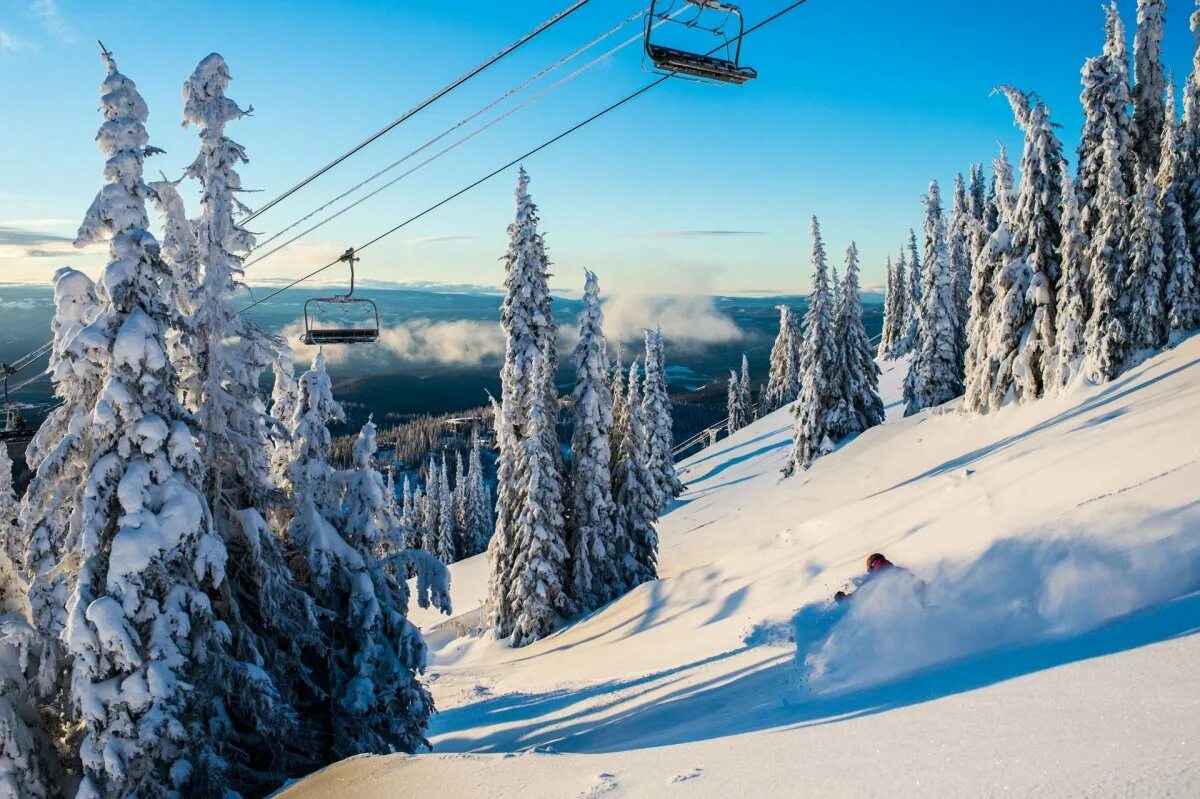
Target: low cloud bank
(687,320)
(461,342)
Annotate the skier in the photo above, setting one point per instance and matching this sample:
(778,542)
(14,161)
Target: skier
(876,564)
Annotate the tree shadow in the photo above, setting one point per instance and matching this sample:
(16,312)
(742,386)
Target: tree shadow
(766,695)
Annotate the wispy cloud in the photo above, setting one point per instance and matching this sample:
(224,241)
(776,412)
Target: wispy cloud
(694,234)
(44,222)
(435,239)
(21,242)
(51,18)
(10,43)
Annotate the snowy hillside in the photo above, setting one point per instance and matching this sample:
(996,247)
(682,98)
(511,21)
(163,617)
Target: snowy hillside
(1060,546)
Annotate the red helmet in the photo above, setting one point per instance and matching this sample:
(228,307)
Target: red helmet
(877,561)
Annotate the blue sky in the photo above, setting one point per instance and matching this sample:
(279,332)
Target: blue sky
(689,188)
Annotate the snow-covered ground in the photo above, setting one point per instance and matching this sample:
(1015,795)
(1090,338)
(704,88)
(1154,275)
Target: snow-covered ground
(1050,651)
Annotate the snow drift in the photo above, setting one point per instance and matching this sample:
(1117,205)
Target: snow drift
(1059,547)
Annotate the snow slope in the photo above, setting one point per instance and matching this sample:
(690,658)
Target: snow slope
(1050,650)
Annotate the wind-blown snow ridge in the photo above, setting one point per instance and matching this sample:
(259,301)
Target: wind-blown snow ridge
(1060,546)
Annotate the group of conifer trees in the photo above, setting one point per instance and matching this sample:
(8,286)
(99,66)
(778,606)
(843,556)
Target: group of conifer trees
(195,602)
(451,520)
(572,531)
(1037,285)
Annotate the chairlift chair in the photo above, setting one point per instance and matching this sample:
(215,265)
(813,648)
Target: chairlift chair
(705,67)
(357,324)
(13,428)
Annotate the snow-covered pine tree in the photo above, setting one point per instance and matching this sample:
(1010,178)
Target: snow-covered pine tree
(594,566)
(735,412)
(633,493)
(432,508)
(1107,336)
(269,618)
(900,281)
(962,226)
(1022,330)
(379,704)
(282,408)
(181,252)
(417,519)
(58,454)
(981,363)
(656,412)
(478,512)
(739,402)
(461,544)
(29,768)
(1106,100)
(1183,288)
(1147,279)
(783,382)
(1074,298)
(977,197)
(934,376)
(406,502)
(620,410)
(886,335)
(1150,81)
(747,390)
(810,431)
(143,562)
(530,334)
(913,301)
(11,544)
(445,535)
(1189,197)
(859,370)
(536,591)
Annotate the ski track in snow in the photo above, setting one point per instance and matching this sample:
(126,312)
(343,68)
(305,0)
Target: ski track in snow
(1050,652)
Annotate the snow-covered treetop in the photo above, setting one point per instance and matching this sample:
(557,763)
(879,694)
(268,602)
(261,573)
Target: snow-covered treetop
(204,102)
(119,206)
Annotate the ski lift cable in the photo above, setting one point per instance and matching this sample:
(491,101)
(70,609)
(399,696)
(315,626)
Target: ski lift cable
(515,90)
(26,360)
(540,29)
(525,104)
(577,126)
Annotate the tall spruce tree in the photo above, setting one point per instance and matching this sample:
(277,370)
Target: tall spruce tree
(962,225)
(530,335)
(594,565)
(1147,278)
(537,593)
(656,410)
(633,494)
(1182,289)
(144,562)
(478,511)
(783,382)
(1074,297)
(376,653)
(444,536)
(913,301)
(900,281)
(934,376)
(859,370)
(1149,113)
(982,363)
(269,618)
(810,429)
(1107,336)
(1023,333)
